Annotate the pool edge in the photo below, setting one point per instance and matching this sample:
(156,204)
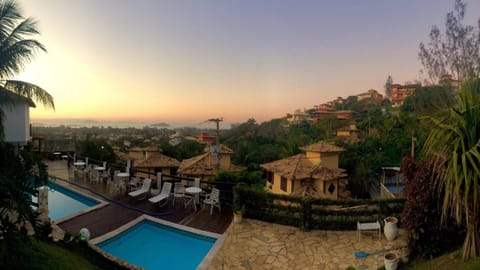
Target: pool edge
(219,238)
(72,188)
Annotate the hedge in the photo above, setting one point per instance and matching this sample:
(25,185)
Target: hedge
(312,213)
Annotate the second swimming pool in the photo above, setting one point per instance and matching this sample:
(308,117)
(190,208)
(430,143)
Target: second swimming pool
(156,246)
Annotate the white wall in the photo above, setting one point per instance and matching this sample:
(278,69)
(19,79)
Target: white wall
(16,123)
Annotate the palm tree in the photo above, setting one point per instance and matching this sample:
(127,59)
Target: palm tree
(16,50)
(454,143)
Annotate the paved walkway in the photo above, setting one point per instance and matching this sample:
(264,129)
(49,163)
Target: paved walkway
(254,244)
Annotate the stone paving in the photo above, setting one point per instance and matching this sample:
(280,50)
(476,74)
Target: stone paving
(254,244)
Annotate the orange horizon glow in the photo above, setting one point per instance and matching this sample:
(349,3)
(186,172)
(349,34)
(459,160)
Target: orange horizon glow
(193,60)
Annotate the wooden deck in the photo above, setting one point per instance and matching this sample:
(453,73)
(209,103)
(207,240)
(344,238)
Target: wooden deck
(123,208)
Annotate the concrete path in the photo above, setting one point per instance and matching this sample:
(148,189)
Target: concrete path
(254,244)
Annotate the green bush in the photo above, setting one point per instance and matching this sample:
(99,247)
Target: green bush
(308,213)
(422,213)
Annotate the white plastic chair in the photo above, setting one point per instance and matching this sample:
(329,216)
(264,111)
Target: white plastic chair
(134,184)
(213,199)
(178,192)
(94,176)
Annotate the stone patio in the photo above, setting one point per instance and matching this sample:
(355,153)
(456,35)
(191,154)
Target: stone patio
(254,244)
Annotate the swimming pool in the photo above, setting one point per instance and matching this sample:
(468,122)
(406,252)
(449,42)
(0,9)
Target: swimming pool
(153,245)
(395,188)
(63,202)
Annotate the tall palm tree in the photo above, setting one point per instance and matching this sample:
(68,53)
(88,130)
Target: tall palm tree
(16,50)
(454,143)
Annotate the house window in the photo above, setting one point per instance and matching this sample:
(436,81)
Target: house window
(269,176)
(283,184)
(293,188)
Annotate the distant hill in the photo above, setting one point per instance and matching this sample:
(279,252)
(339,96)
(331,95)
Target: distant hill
(161,124)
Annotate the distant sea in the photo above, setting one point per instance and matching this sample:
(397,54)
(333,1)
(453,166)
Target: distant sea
(78,123)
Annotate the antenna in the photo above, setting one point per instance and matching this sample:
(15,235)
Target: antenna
(217,144)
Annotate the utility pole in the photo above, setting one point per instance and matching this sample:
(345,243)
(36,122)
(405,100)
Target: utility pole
(412,146)
(217,142)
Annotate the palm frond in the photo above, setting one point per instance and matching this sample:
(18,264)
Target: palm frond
(9,16)
(30,91)
(456,139)
(15,49)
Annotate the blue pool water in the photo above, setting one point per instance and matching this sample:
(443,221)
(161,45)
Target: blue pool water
(395,188)
(156,246)
(63,202)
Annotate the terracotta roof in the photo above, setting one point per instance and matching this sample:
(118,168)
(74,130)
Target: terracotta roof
(322,147)
(148,149)
(187,164)
(299,167)
(157,160)
(202,165)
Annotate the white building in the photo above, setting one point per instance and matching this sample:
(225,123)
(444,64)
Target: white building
(16,120)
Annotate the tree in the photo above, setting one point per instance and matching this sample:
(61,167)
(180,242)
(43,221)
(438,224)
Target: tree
(388,86)
(455,53)
(428,100)
(454,144)
(16,169)
(97,149)
(16,50)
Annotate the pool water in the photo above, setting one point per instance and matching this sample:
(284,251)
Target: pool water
(63,202)
(395,188)
(156,246)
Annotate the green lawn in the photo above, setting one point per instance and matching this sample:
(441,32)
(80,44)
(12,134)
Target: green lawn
(449,261)
(49,256)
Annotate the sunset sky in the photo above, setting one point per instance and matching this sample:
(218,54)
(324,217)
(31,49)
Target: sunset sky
(186,61)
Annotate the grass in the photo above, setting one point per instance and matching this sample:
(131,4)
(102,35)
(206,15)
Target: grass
(49,256)
(447,261)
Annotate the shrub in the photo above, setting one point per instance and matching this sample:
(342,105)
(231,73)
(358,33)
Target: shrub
(309,213)
(421,215)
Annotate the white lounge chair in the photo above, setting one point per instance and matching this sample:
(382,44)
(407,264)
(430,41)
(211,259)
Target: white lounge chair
(162,198)
(143,191)
(213,199)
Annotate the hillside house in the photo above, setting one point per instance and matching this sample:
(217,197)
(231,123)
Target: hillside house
(400,93)
(348,133)
(298,117)
(372,95)
(204,166)
(314,173)
(327,109)
(148,161)
(205,138)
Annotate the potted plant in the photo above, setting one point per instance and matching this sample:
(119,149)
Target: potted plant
(238,213)
(390,229)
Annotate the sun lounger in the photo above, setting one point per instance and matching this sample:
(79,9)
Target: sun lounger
(162,198)
(143,191)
